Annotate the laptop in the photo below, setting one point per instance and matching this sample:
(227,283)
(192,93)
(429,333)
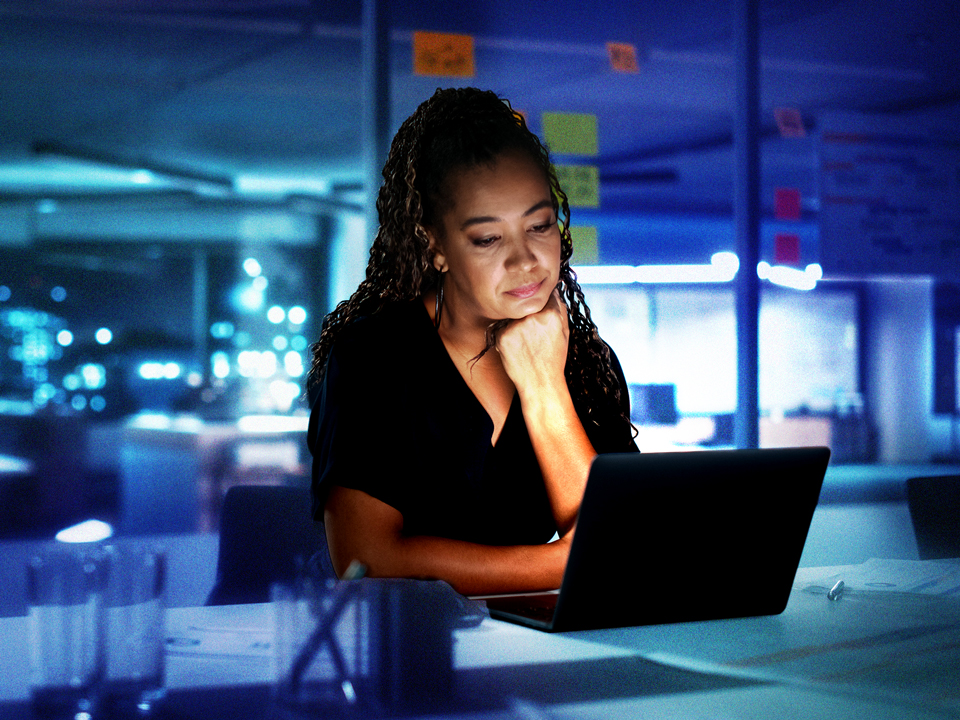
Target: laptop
(681,536)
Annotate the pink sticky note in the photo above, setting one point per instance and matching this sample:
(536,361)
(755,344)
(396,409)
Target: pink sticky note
(789,122)
(786,204)
(786,249)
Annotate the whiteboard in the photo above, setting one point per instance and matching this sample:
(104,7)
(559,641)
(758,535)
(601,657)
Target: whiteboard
(889,198)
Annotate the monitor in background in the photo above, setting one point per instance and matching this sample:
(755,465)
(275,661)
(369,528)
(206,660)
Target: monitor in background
(654,404)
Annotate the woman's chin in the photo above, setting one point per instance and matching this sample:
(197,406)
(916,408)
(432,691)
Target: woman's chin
(524,310)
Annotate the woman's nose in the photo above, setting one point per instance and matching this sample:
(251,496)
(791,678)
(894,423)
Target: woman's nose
(521,255)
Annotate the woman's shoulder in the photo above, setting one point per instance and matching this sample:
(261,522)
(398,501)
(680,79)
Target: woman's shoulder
(400,322)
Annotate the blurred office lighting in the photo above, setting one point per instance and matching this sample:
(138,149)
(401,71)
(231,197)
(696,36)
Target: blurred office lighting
(790,277)
(142,171)
(88,531)
(723,268)
(185,188)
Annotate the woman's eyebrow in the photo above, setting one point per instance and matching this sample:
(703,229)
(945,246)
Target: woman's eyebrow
(490,218)
(539,206)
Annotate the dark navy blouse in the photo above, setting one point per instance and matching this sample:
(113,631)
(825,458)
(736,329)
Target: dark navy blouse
(395,419)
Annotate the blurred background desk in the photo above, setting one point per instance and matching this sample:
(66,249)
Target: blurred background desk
(174,470)
(876,654)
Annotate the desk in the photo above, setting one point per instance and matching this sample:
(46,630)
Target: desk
(873,654)
(172,469)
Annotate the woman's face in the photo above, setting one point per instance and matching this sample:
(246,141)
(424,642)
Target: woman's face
(498,241)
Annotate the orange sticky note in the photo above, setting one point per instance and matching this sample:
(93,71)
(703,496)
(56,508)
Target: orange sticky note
(623,57)
(443,54)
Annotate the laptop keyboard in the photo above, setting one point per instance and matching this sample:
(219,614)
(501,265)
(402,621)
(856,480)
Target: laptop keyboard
(535,607)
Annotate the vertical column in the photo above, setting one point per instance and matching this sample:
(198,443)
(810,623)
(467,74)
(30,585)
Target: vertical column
(375,67)
(746,212)
(352,234)
(201,311)
(899,353)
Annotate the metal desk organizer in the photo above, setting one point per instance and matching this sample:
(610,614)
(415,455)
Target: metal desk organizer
(367,644)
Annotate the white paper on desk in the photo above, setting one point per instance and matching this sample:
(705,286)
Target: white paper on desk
(234,642)
(927,577)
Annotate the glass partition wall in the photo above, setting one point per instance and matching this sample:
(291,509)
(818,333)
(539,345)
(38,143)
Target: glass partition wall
(116,355)
(684,338)
(161,287)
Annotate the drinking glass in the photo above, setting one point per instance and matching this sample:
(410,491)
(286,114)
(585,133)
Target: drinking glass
(66,633)
(135,628)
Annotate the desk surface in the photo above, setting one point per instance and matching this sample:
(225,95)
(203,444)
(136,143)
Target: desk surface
(889,648)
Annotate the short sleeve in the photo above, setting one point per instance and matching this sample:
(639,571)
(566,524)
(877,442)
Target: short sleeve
(349,447)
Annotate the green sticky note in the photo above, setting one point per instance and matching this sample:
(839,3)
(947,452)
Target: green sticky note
(581,183)
(584,245)
(570,133)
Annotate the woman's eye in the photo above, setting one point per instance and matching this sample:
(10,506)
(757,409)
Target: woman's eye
(483,242)
(542,228)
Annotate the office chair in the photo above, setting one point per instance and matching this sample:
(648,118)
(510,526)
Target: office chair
(267,535)
(934,504)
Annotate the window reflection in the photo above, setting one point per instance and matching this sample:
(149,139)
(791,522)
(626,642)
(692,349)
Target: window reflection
(125,369)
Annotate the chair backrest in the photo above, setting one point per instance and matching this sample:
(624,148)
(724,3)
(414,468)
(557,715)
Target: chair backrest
(935,510)
(267,535)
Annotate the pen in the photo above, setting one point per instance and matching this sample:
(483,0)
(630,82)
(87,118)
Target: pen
(343,593)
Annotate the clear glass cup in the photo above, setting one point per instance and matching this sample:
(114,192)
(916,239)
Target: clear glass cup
(66,631)
(135,616)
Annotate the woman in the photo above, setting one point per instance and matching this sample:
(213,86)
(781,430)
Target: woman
(463,391)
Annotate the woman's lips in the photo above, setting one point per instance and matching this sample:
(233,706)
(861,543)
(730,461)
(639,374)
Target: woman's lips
(525,291)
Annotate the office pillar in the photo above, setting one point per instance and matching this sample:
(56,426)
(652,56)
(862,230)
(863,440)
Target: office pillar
(201,310)
(375,72)
(746,212)
(899,356)
(353,232)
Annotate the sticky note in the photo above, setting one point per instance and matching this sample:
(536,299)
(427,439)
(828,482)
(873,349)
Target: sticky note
(585,250)
(786,204)
(443,54)
(570,133)
(789,122)
(623,57)
(786,249)
(581,183)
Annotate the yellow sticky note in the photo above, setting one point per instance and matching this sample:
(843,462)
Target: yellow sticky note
(585,250)
(581,183)
(570,133)
(442,54)
(623,57)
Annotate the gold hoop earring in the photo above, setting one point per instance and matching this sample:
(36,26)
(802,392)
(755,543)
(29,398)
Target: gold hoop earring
(438,309)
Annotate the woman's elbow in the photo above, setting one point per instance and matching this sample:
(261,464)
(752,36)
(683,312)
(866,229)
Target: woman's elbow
(361,529)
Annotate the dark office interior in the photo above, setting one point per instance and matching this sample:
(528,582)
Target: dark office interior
(765,212)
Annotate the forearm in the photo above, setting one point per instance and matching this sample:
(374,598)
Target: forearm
(362,528)
(562,447)
(473,569)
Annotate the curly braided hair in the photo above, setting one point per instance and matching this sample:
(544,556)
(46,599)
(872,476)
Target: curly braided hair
(462,128)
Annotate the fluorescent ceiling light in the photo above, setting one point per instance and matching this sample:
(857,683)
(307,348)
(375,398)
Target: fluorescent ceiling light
(723,267)
(141,171)
(790,277)
(85,532)
(264,424)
